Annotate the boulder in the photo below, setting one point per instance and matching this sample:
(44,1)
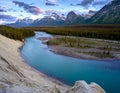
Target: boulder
(83,87)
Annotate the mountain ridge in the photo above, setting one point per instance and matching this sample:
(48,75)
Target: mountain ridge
(109,14)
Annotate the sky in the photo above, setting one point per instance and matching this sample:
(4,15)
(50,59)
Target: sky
(12,10)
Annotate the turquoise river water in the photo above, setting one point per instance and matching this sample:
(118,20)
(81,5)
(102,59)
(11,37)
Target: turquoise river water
(68,69)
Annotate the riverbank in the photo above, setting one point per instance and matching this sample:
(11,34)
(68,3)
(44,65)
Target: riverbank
(18,77)
(84,48)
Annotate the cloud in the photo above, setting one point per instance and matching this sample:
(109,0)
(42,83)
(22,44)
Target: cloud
(72,4)
(50,12)
(28,8)
(51,3)
(7,18)
(2,10)
(86,2)
(103,2)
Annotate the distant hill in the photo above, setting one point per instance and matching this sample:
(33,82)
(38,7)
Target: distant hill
(44,22)
(53,20)
(56,20)
(22,22)
(109,14)
(48,22)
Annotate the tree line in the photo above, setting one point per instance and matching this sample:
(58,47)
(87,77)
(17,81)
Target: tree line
(110,32)
(15,33)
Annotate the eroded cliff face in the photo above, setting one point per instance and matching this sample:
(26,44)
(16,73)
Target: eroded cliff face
(17,77)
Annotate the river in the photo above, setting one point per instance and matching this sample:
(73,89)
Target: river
(68,69)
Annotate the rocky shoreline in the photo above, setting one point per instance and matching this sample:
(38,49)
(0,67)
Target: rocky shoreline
(18,77)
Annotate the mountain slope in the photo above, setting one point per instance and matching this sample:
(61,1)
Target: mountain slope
(21,23)
(73,19)
(44,22)
(110,13)
(48,22)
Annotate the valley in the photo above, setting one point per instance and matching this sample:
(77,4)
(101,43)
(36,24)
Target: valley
(59,46)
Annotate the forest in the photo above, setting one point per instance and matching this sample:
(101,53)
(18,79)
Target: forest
(110,32)
(15,33)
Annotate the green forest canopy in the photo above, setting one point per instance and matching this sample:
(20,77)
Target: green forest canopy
(110,32)
(15,33)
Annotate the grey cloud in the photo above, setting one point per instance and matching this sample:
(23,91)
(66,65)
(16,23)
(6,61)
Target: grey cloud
(28,8)
(100,2)
(7,17)
(50,3)
(2,10)
(11,9)
(72,4)
(86,2)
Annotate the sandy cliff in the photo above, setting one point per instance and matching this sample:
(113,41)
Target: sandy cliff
(17,77)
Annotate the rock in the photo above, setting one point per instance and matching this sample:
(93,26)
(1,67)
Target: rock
(55,90)
(83,87)
(109,14)
(73,18)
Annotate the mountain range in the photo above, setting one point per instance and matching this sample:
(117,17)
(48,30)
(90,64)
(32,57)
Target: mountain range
(109,14)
